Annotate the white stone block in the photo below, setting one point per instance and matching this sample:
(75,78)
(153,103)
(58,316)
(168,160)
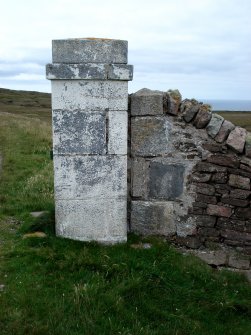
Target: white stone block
(89,95)
(90,177)
(79,132)
(102,220)
(117,132)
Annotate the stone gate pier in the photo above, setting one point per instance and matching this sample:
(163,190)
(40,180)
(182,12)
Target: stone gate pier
(89,80)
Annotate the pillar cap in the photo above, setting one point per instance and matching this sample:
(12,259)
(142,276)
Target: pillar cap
(89,50)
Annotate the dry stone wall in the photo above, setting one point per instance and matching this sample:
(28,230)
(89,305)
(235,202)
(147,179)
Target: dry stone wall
(190,173)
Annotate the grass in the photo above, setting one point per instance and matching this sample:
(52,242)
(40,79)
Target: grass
(242,119)
(57,286)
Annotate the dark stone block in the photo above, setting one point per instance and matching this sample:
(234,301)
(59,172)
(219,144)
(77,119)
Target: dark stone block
(224,160)
(208,167)
(206,198)
(200,177)
(206,221)
(225,223)
(234,202)
(204,188)
(166,180)
(220,177)
(244,213)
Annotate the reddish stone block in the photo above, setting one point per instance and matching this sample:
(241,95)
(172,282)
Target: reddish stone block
(239,182)
(236,139)
(224,160)
(219,210)
(203,117)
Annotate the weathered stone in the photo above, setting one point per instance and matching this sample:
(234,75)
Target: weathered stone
(208,167)
(206,221)
(186,226)
(89,50)
(244,213)
(117,132)
(239,182)
(235,202)
(217,257)
(208,232)
(245,167)
(205,189)
(224,160)
(166,180)
(224,131)
(220,177)
(215,147)
(192,242)
(148,218)
(90,177)
(222,188)
(246,161)
(188,109)
(139,177)
(200,177)
(86,95)
(236,139)
(248,145)
(150,136)
(120,72)
(238,262)
(79,132)
(236,235)
(203,117)
(240,194)
(87,220)
(232,224)
(219,210)
(240,172)
(173,99)
(206,198)
(214,125)
(147,102)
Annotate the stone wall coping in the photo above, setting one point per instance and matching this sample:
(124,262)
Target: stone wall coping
(89,71)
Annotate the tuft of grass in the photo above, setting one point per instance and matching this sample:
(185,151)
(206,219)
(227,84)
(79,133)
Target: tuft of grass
(56,286)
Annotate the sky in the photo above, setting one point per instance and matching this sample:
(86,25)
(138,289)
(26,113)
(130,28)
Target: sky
(201,47)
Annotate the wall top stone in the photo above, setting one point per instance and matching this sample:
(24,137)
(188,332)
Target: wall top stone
(89,50)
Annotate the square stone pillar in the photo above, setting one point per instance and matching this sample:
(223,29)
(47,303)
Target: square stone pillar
(89,80)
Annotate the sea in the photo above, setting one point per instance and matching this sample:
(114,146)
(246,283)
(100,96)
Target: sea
(229,105)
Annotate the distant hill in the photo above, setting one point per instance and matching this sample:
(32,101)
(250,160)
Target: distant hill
(28,103)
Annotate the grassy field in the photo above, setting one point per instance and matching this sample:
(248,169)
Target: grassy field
(55,286)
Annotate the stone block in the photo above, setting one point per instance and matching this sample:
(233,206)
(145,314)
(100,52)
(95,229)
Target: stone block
(205,189)
(235,261)
(89,71)
(243,213)
(102,220)
(214,125)
(149,218)
(147,102)
(239,182)
(224,131)
(90,177)
(139,177)
(234,202)
(236,139)
(173,101)
(232,224)
(248,145)
(120,72)
(200,177)
(208,167)
(208,199)
(236,235)
(165,180)
(89,95)
(79,132)
(217,210)
(220,177)
(224,160)
(217,257)
(189,109)
(246,161)
(89,50)
(117,132)
(150,136)
(203,117)
(239,194)
(205,221)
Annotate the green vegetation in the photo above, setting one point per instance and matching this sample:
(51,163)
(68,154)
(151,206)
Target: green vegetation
(242,119)
(55,286)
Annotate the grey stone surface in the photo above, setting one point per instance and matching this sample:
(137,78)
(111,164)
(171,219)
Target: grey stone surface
(90,177)
(150,136)
(189,109)
(166,180)
(236,139)
(217,257)
(76,71)
(79,132)
(117,132)
(147,102)
(87,95)
(120,72)
(139,177)
(173,100)
(224,131)
(203,117)
(148,218)
(102,220)
(248,145)
(89,50)
(214,125)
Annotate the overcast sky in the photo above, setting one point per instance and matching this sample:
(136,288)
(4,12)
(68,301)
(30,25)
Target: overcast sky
(201,47)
